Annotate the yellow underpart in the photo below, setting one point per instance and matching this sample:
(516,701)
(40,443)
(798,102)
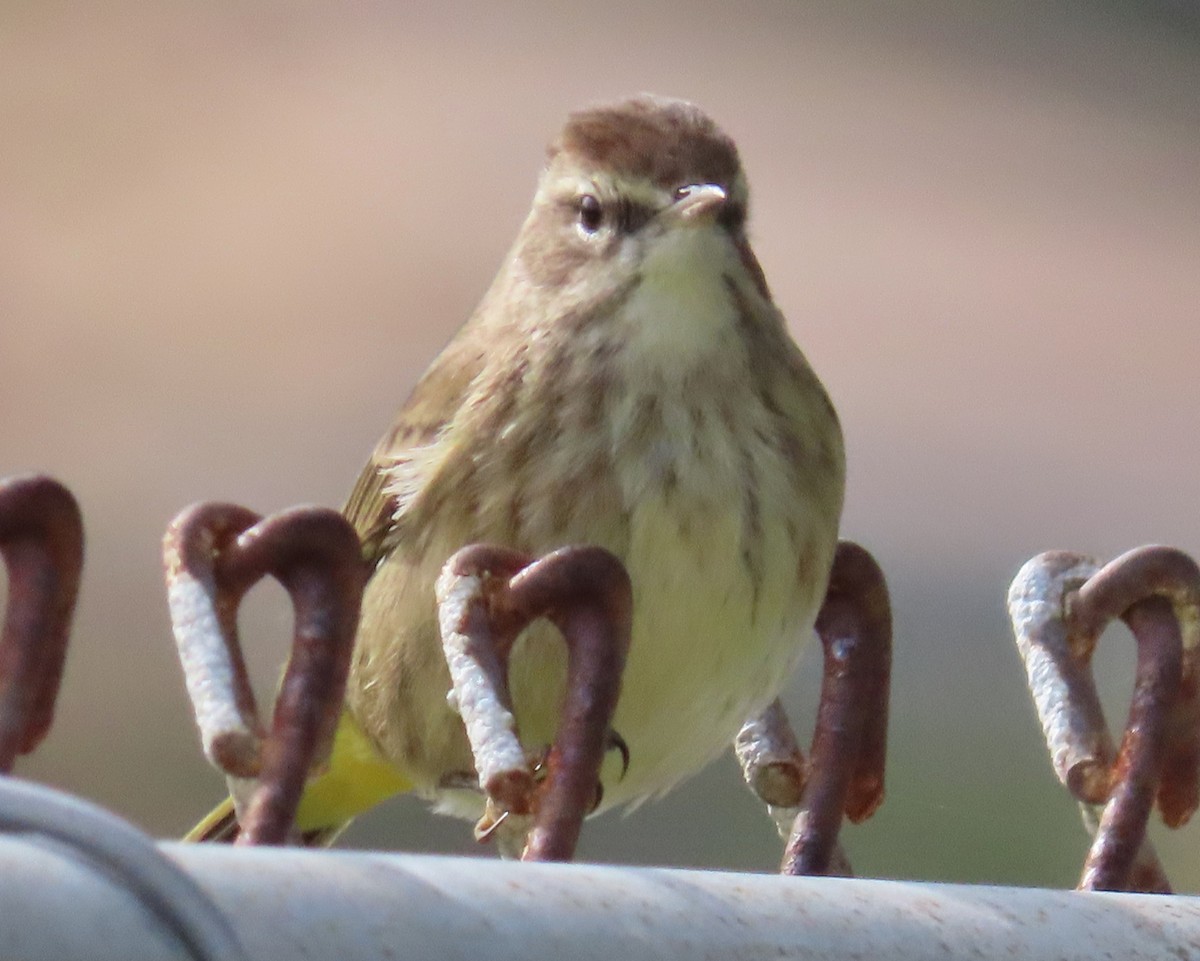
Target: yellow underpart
(356,779)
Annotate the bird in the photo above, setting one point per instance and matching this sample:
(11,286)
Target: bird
(626,381)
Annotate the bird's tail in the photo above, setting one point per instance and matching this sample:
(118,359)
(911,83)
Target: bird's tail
(219,827)
(355,780)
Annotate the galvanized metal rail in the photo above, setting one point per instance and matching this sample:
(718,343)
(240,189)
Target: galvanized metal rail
(294,904)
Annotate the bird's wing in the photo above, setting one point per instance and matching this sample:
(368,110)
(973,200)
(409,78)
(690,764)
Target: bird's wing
(400,459)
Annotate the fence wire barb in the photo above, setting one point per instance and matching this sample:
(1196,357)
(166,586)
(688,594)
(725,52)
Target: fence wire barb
(213,555)
(1059,604)
(845,771)
(486,596)
(41,539)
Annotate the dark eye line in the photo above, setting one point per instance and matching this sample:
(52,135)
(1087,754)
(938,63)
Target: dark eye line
(626,215)
(633,215)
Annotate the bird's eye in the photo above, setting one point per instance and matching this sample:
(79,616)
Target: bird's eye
(591,214)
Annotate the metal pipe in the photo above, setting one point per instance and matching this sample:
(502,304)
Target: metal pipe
(294,904)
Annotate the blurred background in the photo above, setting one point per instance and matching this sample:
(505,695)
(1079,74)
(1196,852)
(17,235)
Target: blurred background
(233,234)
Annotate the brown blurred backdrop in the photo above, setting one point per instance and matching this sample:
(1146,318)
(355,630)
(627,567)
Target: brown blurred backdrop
(231,235)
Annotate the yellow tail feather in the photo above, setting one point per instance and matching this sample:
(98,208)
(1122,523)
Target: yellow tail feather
(356,779)
(220,824)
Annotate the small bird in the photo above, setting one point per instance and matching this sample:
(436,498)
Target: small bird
(628,382)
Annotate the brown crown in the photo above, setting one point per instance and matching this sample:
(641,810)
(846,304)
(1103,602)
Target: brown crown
(668,142)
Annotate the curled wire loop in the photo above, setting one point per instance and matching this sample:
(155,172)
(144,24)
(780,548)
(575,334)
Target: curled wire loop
(487,596)
(844,774)
(850,739)
(41,539)
(1059,604)
(213,555)
(772,763)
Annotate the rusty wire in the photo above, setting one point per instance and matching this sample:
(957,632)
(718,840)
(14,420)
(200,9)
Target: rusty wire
(844,773)
(1060,603)
(41,538)
(776,770)
(213,555)
(487,595)
(771,760)
(849,745)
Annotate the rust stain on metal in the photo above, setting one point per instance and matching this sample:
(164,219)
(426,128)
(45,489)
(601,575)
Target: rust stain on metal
(1060,604)
(213,555)
(489,595)
(41,539)
(849,747)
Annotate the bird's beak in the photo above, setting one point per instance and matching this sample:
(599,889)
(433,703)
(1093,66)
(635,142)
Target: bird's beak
(696,204)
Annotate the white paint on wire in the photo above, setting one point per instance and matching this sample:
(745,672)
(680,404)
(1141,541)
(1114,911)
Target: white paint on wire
(491,727)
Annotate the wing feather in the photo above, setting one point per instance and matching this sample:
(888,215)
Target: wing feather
(400,465)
